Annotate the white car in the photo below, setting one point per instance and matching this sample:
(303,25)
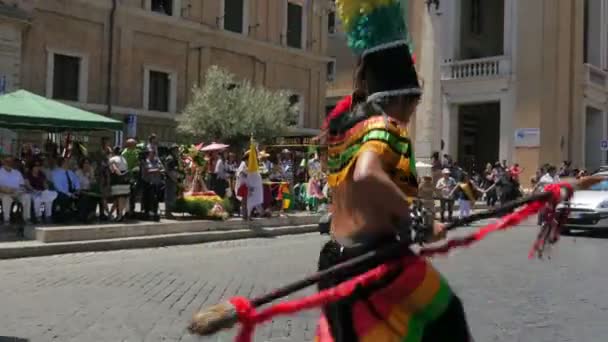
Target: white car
(589,208)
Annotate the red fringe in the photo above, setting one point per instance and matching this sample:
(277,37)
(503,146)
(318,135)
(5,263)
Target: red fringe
(249,317)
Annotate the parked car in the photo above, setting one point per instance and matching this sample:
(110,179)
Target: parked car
(589,208)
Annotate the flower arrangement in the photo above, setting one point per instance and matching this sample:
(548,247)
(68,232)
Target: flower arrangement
(203,205)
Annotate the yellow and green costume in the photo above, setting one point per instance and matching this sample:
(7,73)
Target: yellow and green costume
(412,302)
(382,135)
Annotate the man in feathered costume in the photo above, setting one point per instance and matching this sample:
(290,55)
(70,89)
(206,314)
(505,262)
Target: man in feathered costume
(373,181)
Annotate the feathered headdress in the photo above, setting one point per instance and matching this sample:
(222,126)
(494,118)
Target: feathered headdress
(377,32)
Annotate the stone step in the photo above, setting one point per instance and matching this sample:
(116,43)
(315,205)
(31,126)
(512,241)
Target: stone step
(21,249)
(54,234)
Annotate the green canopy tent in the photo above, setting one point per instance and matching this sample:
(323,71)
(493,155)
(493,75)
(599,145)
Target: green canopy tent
(24,110)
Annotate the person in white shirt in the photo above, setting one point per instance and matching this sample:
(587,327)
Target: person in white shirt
(445,186)
(12,188)
(221,176)
(550,177)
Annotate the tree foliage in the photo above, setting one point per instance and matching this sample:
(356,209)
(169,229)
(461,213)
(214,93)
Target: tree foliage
(227,110)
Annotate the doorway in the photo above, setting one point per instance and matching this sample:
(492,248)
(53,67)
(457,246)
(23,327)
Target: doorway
(593,135)
(478,135)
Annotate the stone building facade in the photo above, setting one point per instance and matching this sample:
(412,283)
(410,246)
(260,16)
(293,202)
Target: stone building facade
(142,57)
(524,81)
(506,85)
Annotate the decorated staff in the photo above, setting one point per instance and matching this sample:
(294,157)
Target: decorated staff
(238,309)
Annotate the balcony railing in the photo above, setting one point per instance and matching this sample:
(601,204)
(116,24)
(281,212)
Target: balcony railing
(476,68)
(596,76)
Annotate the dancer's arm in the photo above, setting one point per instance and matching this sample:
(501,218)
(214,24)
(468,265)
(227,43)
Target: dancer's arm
(373,181)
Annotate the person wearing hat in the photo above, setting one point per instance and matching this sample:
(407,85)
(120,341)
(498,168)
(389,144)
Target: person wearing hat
(445,185)
(265,163)
(373,180)
(287,166)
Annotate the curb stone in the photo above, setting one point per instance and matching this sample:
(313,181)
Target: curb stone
(34,248)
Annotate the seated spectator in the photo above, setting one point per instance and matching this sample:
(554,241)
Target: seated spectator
(86,175)
(69,194)
(38,186)
(12,188)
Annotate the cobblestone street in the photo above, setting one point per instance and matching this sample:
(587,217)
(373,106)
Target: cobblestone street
(150,294)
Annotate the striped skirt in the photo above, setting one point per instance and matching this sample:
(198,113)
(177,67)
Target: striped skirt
(412,303)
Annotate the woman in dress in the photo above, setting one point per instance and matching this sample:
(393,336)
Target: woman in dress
(120,184)
(37,183)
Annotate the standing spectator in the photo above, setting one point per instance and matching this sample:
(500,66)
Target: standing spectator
(466,192)
(152,144)
(89,188)
(435,162)
(265,164)
(212,159)
(12,188)
(67,185)
(565,169)
(516,170)
(287,166)
(221,176)
(445,186)
(550,177)
(447,161)
(120,185)
(132,155)
(38,185)
(230,167)
(104,180)
(508,188)
(172,181)
(241,185)
(152,182)
(426,193)
(456,171)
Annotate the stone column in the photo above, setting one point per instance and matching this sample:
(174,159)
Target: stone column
(429,115)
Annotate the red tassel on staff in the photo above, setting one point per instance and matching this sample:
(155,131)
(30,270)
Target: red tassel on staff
(249,317)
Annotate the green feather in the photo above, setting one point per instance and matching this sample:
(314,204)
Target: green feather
(384,25)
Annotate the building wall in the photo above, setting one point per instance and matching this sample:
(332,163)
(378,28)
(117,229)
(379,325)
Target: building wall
(540,80)
(184,46)
(13,21)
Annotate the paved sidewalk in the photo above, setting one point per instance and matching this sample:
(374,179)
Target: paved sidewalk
(55,239)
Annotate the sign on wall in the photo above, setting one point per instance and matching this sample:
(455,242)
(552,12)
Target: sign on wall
(131,125)
(604,145)
(527,137)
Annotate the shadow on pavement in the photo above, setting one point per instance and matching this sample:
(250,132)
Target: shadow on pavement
(12,339)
